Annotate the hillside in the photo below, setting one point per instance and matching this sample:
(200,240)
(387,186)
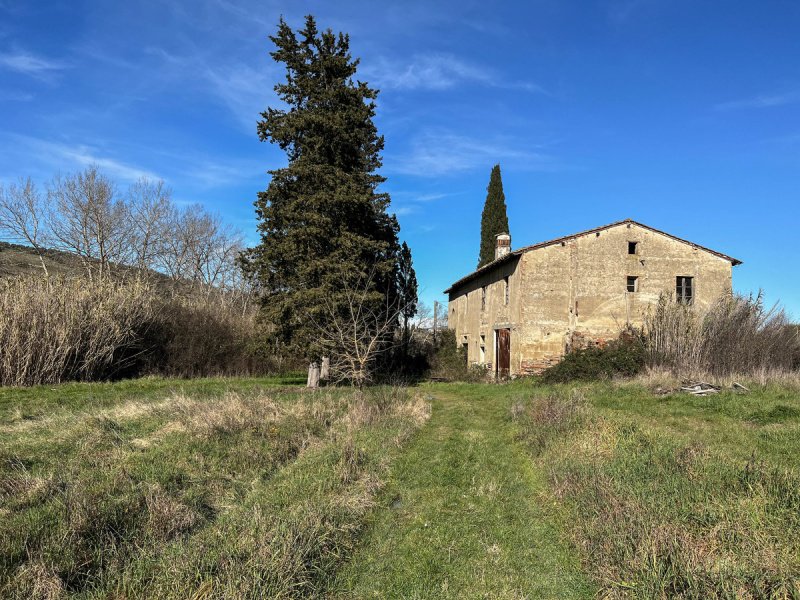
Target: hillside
(16,259)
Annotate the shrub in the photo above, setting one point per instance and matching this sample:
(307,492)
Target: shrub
(623,357)
(198,336)
(449,361)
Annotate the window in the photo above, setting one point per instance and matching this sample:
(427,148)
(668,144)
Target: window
(633,247)
(684,289)
(483,349)
(483,298)
(506,292)
(633,284)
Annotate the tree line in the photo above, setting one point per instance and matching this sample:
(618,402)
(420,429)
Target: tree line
(113,230)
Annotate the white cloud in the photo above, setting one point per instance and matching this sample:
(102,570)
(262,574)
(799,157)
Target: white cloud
(762,101)
(245,90)
(443,153)
(434,72)
(30,64)
(56,155)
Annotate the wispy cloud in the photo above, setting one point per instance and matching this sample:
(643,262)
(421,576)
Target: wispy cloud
(58,155)
(244,89)
(14,96)
(406,209)
(30,64)
(762,101)
(621,11)
(435,72)
(442,153)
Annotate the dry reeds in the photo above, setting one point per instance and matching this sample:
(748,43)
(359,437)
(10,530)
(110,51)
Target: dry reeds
(52,330)
(62,329)
(736,335)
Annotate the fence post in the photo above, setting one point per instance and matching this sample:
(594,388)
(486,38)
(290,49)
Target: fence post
(325,371)
(313,376)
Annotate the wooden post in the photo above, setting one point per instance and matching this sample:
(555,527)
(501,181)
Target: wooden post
(313,376)
(325,371)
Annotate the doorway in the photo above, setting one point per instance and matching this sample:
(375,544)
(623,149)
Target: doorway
(503,353)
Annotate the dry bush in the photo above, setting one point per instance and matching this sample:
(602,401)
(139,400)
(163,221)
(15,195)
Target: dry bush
(736,335)
(203,336)
(61,329)
(58,329)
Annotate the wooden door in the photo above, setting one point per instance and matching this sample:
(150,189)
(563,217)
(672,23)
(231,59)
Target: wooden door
(503,352)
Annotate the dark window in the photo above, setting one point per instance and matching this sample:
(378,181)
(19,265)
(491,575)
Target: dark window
(633,284)
(684,289)
(506,290)
(483,298)
(633,247)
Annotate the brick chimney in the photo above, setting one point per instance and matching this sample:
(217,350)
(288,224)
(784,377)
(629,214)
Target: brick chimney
(503,245)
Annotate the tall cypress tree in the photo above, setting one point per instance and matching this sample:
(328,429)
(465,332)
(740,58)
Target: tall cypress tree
(323,223)
(407,286)
(494,219)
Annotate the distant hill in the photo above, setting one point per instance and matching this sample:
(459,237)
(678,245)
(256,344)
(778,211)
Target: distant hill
(16,259)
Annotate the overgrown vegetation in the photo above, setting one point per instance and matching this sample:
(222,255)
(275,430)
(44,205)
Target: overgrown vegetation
(59,328)
(239,492)
(128,283)
(736,335)
(447,361)
(674,497)
(624,357)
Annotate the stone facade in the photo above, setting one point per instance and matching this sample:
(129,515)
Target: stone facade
(578,291)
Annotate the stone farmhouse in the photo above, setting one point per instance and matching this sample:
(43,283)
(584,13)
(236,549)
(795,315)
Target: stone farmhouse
(523,311)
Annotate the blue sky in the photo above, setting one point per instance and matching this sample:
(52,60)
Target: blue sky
(682,114)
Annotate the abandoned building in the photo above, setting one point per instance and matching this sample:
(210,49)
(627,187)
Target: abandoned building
(522,312)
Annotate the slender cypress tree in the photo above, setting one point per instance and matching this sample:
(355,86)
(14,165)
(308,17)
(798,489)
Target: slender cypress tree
(494,219)
(323,223)
(407,286)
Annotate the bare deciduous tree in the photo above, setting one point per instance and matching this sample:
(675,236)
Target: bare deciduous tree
(89,220)
(356,326)
(150,208)
(22,210)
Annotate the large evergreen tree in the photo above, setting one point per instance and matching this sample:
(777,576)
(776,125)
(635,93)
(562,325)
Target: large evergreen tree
(322,219)
(494,219)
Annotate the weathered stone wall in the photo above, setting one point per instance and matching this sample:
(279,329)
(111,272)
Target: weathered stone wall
(575,293)
(469,322)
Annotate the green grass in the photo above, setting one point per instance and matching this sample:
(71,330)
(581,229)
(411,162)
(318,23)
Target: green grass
(675,496)
(464,513)
(224,489)
(257,488)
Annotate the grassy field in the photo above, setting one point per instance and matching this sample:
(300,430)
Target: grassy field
(212,489)
(674,496)
(250,488)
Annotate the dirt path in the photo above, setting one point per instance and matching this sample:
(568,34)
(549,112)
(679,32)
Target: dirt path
(463,516)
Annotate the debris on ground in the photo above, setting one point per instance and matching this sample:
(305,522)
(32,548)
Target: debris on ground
(700,388)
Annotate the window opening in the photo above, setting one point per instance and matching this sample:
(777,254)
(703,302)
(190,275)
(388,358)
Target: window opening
(684,289)
(633,284)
